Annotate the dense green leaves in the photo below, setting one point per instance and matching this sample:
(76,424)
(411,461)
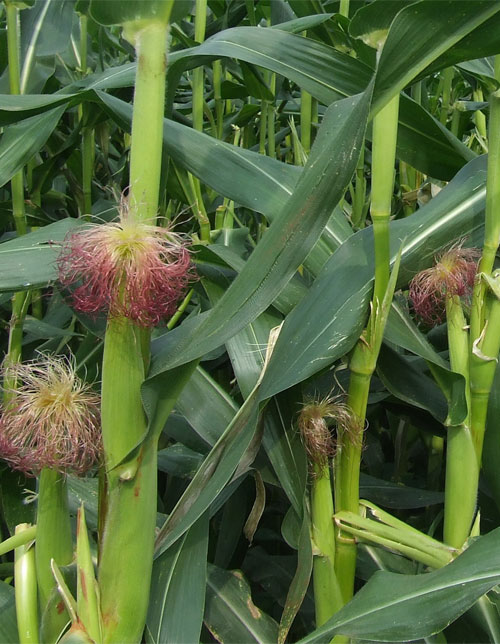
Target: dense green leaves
(294,232)
(327,322)
(278,241)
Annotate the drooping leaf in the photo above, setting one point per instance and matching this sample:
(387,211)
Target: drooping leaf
(110,12)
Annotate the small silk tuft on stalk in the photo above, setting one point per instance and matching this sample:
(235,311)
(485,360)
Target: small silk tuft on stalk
(317,436)
(453,274)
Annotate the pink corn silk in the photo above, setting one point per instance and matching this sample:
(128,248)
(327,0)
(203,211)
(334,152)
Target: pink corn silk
(144,288)
(453,274)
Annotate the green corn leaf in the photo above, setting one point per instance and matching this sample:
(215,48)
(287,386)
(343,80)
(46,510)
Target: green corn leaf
(329,320)
(178,588)
(30,261)
(294,232)
(404,56)
(395,608)
(8,622)
(110,12)
(230,614)
(21,141)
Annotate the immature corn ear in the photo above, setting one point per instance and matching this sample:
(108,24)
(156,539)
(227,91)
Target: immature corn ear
(51,420)
(126,268)
(317,436)
(453,274)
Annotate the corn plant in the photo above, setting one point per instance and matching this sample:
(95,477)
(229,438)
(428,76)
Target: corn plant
(251,306)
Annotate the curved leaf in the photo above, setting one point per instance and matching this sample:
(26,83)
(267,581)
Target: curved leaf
(294,232)
(30,261)
(328,320)
(396,608)
(21,141)
(404,56)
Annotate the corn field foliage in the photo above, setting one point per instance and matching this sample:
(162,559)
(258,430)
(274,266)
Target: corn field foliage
(250,321)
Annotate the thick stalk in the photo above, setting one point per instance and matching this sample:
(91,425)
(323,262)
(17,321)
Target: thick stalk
(128,536)
(385,127)
(348,463)
(446,95)
(147,122)
(25,587)
(128,510)
(462,471)
(483,367)
(344,8)
(492,218)
(327,594)
(53,541)
(363,359)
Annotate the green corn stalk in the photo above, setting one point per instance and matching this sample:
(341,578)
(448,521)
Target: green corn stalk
(128,510)
(462,471)
(21,299)
(53,542)
(364,357)
(348,460)
(25,577)
(483,316)
(448,74)
(200,22)
(327,595)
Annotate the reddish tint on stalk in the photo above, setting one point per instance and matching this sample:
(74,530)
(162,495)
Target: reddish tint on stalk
(126,268)
(51,420)
(453,274)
